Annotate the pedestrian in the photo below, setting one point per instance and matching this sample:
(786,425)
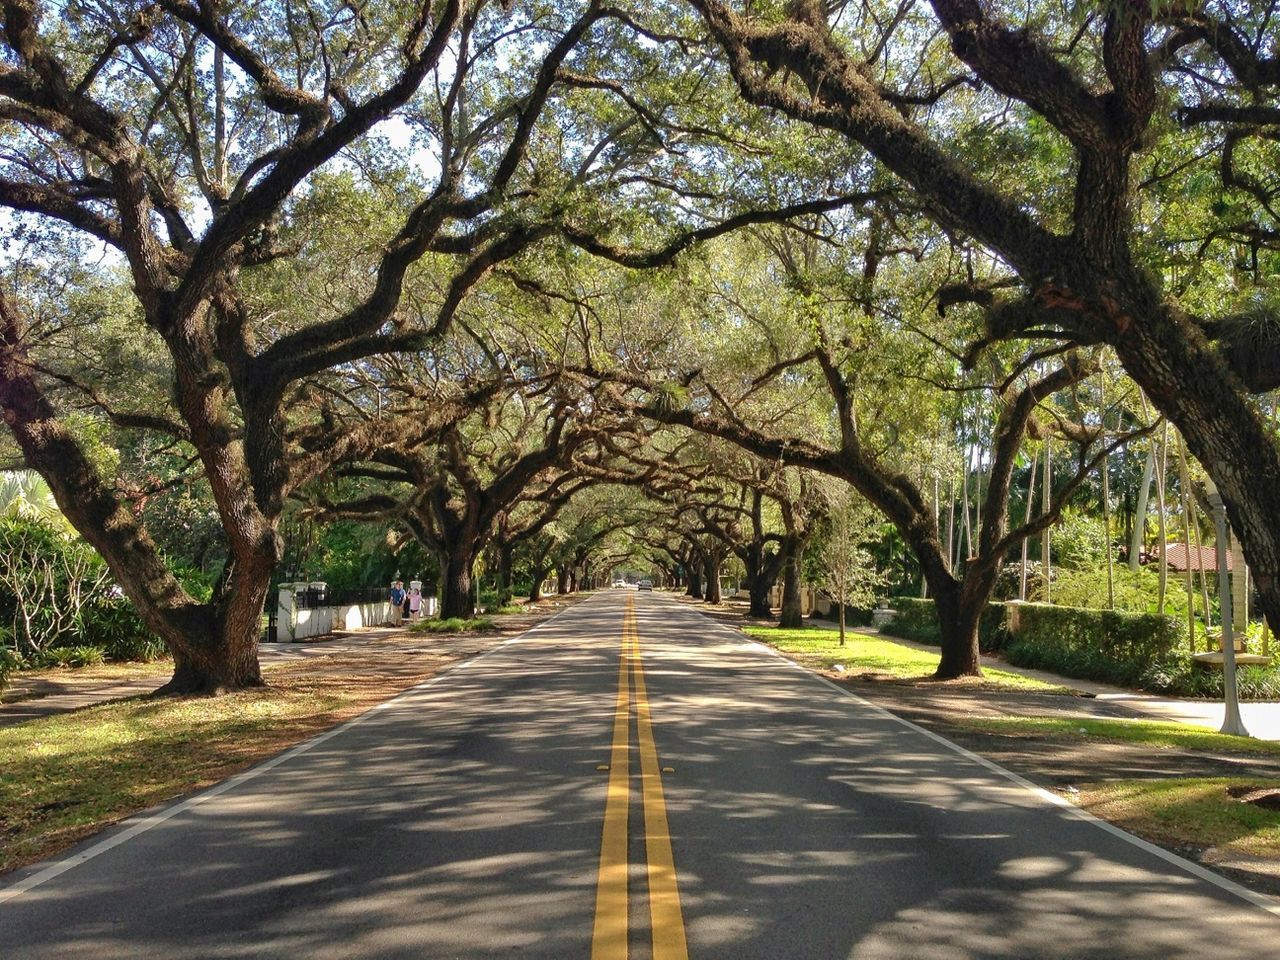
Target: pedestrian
(415,599)
(397,598)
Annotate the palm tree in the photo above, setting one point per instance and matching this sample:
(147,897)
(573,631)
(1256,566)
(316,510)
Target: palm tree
(24,495)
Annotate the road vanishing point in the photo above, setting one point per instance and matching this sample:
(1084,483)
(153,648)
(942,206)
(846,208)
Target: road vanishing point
(628,780)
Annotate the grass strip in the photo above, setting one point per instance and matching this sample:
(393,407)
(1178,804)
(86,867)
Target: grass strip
(1195,812)
(64,777)
(1153,733)
(454,625)
(819,648)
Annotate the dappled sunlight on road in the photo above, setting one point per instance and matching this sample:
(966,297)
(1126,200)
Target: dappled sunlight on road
(802,818)
(464,820)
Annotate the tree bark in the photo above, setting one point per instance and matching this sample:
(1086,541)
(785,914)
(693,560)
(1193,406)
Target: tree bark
(792,616)
(456,599)
(1188,382)
(762,574)
(226,657)
(758,589)
(959,609)
(711,573)
(1184,484)
(215,644)
(504,551)
(535,591)
(694,577)
(1139,534)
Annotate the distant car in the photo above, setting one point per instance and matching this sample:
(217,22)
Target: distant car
(644,585)
(619,583)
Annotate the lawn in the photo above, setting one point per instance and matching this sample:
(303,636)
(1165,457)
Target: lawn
(1188,812)
(1153,733)
(66,776)
(820,649)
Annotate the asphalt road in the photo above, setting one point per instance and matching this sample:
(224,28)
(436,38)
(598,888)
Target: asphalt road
(467,819)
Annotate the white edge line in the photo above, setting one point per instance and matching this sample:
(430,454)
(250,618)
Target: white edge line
(1064,805)
(14,890)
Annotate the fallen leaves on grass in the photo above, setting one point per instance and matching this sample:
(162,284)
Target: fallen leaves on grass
(1193,812)
(65,777)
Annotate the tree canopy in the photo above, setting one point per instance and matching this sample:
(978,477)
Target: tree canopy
(513,278)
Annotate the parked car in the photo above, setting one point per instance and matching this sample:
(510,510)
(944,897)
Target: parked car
(644,585)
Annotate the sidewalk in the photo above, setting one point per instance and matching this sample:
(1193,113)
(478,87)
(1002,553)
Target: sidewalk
(1262,719)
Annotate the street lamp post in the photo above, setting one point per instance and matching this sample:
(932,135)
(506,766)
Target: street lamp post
(1231,722)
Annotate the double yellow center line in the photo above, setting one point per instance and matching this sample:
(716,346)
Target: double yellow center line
(609,939)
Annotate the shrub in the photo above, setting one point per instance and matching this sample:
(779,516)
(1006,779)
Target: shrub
(1181,677)
(113,623)
(853,616)
(453,625)
(1079,541)
(46,578)
(1009,582)
(1135,650)
(917,620)
(1111,646)
(10,661)
(1134,591)
(489,599)
(78,656)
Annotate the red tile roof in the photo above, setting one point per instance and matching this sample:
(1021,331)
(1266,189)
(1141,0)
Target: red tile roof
(1202,558)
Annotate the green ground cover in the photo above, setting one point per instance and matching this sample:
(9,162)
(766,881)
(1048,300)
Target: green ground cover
(1195,812)
(454,625)
(66,776)
(820,648)
(1164,734)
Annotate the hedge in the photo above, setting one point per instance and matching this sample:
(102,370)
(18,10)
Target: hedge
(853,616)
(1127,649)
(1107,645)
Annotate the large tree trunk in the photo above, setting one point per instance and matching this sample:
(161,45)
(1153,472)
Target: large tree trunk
(226,657)
(758,589)
(215,645)
(792,615)
(1190,384)
(535,591)
(958,628)
(695,581)
(504,573)
(711,573)
(456,599)
(757,576)
(562,580)
(760,582)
